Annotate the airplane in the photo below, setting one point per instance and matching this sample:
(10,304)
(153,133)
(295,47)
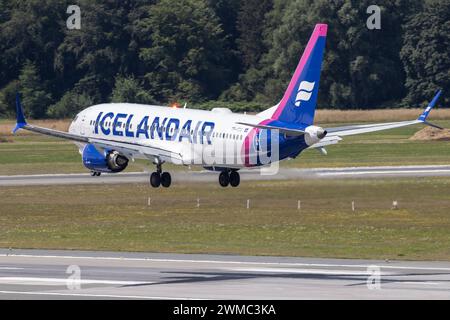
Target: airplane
(110,135)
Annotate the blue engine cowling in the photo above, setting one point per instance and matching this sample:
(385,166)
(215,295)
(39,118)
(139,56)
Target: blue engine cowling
(108,161)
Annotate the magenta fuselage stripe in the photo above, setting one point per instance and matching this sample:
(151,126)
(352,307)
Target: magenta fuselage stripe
(248,140)
(319,30)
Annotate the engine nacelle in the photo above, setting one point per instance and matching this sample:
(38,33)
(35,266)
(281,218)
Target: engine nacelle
(108,161)
(314,134)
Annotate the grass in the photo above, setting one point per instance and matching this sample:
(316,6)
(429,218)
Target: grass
(118,218)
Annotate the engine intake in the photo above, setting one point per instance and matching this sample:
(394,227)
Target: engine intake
(108,161)
(116,162)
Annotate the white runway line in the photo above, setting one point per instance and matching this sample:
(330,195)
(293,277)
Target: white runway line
(352,173)
(91,295)
(227,262)
(63,281)
(423,283)
(62,175)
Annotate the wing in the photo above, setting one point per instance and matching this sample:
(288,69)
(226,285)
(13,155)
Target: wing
(149,149)
(358,129)
(334,134)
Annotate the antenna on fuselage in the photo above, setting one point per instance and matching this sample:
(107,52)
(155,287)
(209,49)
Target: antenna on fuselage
(185,105)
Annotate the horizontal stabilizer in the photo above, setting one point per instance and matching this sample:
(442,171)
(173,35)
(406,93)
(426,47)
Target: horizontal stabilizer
(288,130)
(327,141)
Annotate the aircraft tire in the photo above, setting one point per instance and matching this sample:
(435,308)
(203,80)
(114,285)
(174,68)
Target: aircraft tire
(166,179)
(235,179)
(155,180)
(224,179)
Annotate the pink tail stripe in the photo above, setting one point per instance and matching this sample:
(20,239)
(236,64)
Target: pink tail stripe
(320,30)
(247,144)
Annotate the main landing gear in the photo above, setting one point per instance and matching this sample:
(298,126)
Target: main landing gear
(95,174)
(159,178)
(229,177)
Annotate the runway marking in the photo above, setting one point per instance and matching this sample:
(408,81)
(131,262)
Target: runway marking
(22,280)
(227,262)
(91,295)
(423,283)
(381,172)
(81,175)
(10,268)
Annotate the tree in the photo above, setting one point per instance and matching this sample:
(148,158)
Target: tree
(8,98)
(227,12)
(425,53)
(69,105)
(184,55)
(91,57)
(35,99)
(361,67)
(250,23)
(30,30)
(129,89)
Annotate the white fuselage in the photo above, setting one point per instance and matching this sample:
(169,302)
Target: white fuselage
(182,135)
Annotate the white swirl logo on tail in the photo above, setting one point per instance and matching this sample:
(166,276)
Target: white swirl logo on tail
(304,92)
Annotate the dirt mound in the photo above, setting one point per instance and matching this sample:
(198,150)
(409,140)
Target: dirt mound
(430,133)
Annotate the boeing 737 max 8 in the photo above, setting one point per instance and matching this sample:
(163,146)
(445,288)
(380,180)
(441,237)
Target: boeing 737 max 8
(109,135)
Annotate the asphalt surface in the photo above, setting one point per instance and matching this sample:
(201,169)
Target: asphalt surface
(40,274)
(208,176)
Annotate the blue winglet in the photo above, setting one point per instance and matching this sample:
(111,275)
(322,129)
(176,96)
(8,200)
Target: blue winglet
(423,117)
(21,122)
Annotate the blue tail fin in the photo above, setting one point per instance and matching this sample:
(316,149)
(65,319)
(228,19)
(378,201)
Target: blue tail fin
(299,101)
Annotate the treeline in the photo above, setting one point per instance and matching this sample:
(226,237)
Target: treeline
(208,52)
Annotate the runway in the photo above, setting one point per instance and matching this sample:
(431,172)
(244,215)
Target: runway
(208,176)
(41,274)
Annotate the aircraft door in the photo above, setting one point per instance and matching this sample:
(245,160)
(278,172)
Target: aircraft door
(83,125)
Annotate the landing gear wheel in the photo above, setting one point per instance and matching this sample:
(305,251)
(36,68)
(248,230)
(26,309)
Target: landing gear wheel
(224,179)
(235,178)
(155,180)
(95,174)
(166,179)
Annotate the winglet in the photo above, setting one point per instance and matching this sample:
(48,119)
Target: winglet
(21,122)
(423,117)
